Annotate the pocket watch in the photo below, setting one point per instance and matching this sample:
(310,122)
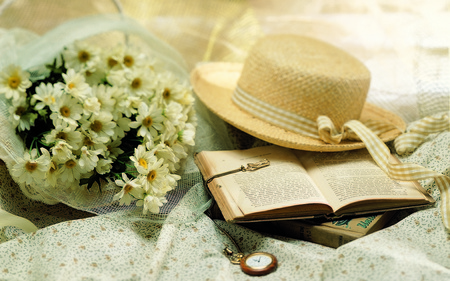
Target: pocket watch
(257,264)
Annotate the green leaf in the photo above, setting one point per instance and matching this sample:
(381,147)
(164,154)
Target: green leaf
(95,178)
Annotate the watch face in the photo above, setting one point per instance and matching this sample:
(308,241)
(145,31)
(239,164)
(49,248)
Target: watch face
(258,263)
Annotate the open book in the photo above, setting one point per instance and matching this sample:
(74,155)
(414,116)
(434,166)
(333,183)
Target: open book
(301,184)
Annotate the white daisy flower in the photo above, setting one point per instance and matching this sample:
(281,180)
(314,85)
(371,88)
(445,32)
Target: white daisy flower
(169,89)
(88,159)
(14,82)
(130,190)
(91,106)
(61,151)
(192,116)
(143,159)
(122,126)
(52,174)
(104,95)
(117,78)
(100,125)
(155,64)
(75,85)
(141,82)
(94,142)
(172,180)
(113,58)
(174,112)
(81,56)
(20,118)
(117,94)
(187,135)
(152,203)
(31,169)
(162,151)
(70,171)
(155,180)
(113,149)
(150,121)
(103,166)
(133,58)
(46,95)
(170,131)
(129,105)
(96,77)
(188,97)
(66,110)
(61,132)
(170,139)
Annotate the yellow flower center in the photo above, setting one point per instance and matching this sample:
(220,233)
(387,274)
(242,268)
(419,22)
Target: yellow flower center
(112,62)
(96,126)
(71,85)
(151,176)
(88,142)
(70,164)
(83,56)
(147,122)
(20,110)
(53,168)
(136,83)
(31,166)
(143,163)
(166,93)
(127,188)
(65,111)
(61,135)
(128,61)
(14,82)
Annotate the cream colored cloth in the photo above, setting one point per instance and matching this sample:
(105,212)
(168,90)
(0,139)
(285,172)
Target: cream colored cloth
(8,219)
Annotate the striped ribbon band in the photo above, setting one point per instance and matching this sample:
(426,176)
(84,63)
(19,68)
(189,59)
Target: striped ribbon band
(417,133)
(325,130)
(403,171)
(274,115)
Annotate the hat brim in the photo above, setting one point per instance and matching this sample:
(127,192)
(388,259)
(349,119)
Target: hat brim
(214,84)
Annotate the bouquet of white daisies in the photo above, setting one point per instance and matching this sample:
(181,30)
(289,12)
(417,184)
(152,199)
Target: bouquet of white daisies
(96,118)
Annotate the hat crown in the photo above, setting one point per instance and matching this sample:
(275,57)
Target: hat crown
(306,77)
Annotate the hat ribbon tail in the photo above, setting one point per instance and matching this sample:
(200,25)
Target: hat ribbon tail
(418,132)
(397,171)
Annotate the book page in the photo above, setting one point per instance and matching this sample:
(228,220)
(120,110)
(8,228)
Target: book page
(282,184)
(351,176)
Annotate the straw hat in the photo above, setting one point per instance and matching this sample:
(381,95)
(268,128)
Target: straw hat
(285,84)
